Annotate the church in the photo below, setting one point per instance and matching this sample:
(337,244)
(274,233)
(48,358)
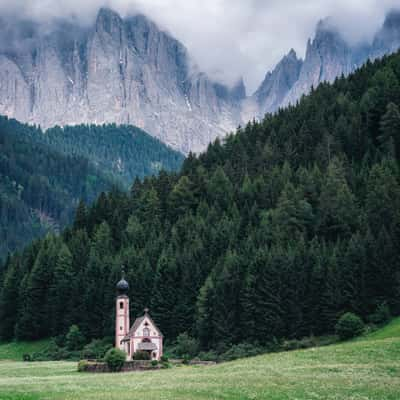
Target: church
(143,335)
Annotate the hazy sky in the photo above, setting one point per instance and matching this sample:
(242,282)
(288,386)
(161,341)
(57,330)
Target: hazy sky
(230,38)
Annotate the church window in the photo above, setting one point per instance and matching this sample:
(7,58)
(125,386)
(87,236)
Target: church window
(120,328)
(121,305)
(146,332)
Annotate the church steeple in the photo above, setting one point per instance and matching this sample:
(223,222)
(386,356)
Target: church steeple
(122,310)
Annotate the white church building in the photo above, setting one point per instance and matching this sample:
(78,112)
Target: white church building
(143,335)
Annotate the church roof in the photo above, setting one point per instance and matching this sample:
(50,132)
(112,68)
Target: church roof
(136,325)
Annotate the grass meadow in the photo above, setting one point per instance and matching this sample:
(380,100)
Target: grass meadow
(363,369)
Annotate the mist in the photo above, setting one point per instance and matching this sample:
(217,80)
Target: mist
(227,38)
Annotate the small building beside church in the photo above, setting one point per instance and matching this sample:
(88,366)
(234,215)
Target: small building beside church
(143,335)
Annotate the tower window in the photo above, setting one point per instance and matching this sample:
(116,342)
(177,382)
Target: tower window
(120,328)
(121,305)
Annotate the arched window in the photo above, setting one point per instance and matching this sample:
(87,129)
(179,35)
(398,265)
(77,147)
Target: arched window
(121,305)
(146,332)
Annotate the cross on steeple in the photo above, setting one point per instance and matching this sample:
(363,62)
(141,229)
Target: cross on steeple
(146,310)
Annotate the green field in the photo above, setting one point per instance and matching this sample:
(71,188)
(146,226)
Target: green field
(363,369)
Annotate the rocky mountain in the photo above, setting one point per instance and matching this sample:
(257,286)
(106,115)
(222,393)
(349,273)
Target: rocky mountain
(387,40)
(129,71)
(126,71)
(276,85)
(328,56)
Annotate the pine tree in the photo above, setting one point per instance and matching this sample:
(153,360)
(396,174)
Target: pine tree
(9,299)
(60,299)
(390,130)
(35,322)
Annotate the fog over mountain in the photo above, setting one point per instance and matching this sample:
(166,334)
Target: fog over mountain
(229,38)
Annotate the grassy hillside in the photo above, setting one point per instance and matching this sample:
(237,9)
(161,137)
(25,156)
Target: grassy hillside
(391,330)
(15,350)
(368,369)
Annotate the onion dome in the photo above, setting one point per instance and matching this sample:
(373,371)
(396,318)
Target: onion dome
(122,285)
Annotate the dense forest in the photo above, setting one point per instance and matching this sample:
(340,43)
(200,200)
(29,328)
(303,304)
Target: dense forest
(274,233)
(44,175)
(124,151)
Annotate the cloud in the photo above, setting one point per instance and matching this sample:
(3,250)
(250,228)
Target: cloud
(229,38)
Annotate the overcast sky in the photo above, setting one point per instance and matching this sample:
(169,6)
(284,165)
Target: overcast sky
(230,38)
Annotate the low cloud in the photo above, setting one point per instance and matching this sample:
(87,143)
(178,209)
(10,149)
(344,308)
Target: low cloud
(229,38)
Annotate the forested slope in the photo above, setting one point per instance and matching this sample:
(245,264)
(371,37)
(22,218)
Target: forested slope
(274,233)
(124,151)
(39,187)
(44,175)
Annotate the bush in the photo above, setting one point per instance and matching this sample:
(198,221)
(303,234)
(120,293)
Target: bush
(208,356)
(96,349)
(165,365)
(83,366)
(186,346)
(74,339)
(348,326)
(154,363)
(240,351)
(26,357)
(381,315)
(141,355)
(164,358)
(115,359)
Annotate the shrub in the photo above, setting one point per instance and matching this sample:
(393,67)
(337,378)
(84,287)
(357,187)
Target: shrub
(96,349)
(164,358)
(165,365)
(74,339)
(26,357)
(83,365)
(381,314)
(186,346)
(208,356)
(240,351)
(154,363)
(348,326)
(115,359)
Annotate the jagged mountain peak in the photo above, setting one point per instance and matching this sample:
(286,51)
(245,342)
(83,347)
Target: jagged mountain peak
(392,20)
(291,55)
(277,83)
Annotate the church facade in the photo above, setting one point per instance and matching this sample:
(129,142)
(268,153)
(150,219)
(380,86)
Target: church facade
(143,335)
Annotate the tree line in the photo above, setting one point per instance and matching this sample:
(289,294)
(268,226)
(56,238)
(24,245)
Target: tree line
(273,233)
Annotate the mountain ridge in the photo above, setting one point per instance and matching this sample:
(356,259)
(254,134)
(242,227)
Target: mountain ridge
(129,71)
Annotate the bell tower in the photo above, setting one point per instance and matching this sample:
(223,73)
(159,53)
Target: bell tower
(121,311)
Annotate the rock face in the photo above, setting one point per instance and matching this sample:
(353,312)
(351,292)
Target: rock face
(327,57)
(128,71)
(277,84)
(119,70)
(387,40)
